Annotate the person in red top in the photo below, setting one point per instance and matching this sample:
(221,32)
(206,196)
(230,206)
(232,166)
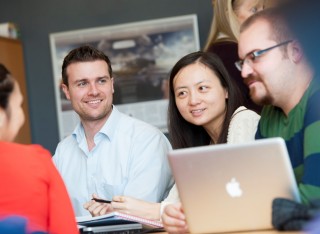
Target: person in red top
(31,186)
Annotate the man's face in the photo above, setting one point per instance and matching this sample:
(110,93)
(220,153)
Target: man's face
(90,90)
(267,75)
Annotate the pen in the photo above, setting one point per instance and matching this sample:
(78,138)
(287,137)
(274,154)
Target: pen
(101,200)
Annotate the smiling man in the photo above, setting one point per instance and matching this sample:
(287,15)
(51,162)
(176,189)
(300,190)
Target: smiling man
(279,77)
(108,153)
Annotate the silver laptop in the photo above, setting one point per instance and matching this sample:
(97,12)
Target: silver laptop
(226,187)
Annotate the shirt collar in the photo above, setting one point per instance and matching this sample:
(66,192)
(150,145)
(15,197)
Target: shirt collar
(108,129)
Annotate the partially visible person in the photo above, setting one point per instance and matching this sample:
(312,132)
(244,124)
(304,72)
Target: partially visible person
(109,153)
(279,77)
(31,185)
(228,15)
(205,107)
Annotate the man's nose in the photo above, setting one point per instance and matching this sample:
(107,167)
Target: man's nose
(246,70)
(93,89)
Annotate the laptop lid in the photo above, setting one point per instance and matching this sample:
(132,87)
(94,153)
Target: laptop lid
(230,187)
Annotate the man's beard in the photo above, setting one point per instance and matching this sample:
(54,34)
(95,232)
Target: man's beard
(267,99)
(262,101)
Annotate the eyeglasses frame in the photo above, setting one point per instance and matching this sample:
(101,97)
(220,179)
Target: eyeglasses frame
(258,53)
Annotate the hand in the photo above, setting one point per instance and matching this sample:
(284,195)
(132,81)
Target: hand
(97,208)
(173,219)
(133,206)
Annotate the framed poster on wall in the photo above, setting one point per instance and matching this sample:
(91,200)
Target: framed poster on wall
(142,55)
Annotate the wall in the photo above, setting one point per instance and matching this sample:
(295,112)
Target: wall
(37,19)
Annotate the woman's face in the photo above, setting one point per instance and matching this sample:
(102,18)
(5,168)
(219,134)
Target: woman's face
(246,8)
(13,116)
(199,96)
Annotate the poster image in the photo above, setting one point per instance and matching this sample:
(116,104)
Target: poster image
(142,55)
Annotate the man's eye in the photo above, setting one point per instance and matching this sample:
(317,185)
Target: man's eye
(80,84)
(253,56)
(102,81)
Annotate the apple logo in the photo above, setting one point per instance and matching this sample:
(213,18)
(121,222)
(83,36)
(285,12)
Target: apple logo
(233,188)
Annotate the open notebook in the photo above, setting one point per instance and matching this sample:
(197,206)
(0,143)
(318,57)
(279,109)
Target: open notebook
(227,188)
(115,218)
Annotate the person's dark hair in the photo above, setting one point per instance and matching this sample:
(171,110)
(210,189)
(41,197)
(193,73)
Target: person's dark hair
(279,30)
(184,134)
(6,86)
(85,53)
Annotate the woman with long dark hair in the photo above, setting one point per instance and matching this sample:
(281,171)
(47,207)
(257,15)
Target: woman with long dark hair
(205,107)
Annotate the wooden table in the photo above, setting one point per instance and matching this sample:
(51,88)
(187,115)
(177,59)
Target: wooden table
(267,232)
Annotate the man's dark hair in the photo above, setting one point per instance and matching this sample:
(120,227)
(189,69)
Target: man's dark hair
(85,53)
(279,29)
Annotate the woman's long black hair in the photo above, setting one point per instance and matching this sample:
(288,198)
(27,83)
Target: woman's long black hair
(6,86)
